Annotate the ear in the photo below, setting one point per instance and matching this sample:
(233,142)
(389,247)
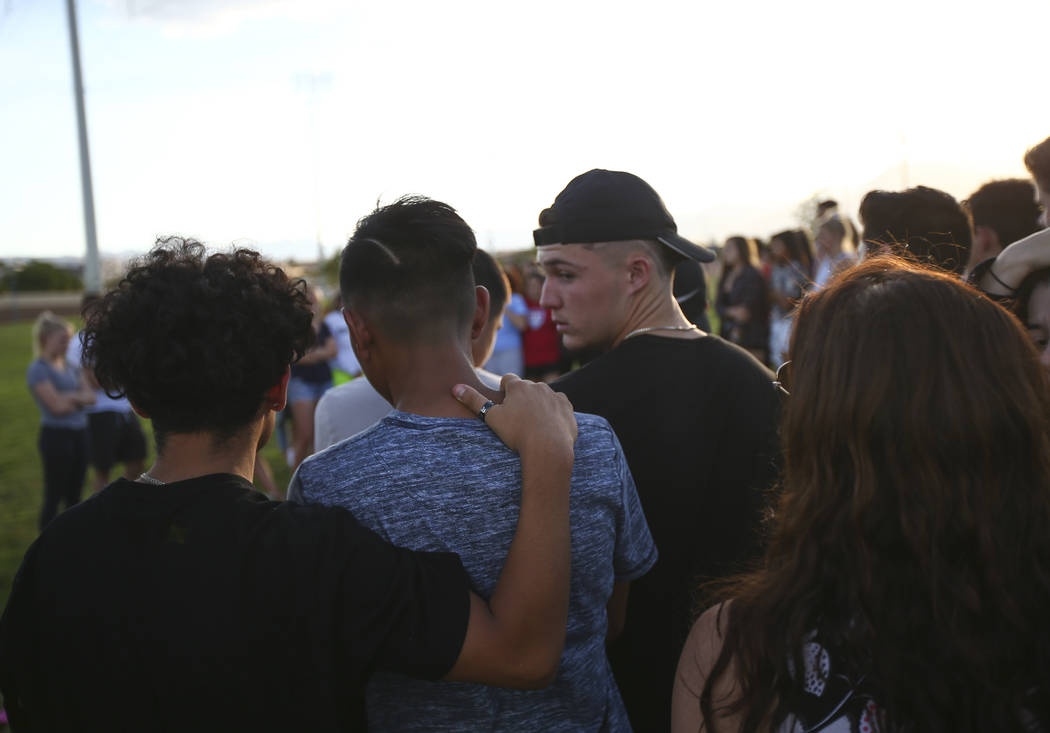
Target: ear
(639,272)
(277,395)
(362,339)
(139,411)
(481,312)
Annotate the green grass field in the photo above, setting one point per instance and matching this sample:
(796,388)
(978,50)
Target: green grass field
(21,475)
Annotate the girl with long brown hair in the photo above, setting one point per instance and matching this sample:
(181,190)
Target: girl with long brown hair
(906,584)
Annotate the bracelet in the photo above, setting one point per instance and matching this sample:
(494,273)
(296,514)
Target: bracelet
(995,277)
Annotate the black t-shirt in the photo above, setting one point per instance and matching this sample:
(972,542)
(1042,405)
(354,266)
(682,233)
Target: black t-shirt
(200,605)
(698,423)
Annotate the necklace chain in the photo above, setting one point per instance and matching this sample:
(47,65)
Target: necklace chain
(647,329)
(145,478)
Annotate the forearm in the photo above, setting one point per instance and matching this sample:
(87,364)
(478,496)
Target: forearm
(315,356)
(515,639)
(1015,263)
(739,313)
(65,403)
(531,599)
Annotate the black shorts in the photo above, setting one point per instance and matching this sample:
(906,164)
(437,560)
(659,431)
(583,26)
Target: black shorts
(115,437)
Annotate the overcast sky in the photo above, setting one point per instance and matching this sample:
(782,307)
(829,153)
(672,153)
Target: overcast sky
(266,121)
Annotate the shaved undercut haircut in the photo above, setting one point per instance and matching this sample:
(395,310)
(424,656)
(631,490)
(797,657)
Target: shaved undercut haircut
(409,266)
(665,258)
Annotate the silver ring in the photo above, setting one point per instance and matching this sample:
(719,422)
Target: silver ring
(485,409)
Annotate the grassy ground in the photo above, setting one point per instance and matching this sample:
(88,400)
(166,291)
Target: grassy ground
(21,475)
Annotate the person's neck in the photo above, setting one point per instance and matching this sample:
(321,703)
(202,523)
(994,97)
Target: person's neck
(189,455)
(55,360)
(657,314)
(421,378)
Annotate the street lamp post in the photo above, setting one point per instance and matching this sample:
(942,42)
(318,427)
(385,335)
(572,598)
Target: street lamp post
(92,266)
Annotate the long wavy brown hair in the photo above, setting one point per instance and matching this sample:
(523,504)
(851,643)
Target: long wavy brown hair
(913,525)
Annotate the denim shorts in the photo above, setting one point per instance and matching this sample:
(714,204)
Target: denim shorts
(299,390)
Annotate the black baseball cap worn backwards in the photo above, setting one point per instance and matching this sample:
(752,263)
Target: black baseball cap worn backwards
(612,206)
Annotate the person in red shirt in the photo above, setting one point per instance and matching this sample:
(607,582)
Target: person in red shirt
(543,359)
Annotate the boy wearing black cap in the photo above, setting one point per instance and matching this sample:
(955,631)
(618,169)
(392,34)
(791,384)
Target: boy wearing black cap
(696,416)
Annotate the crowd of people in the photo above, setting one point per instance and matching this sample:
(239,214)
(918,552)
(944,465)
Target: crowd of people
(668,537)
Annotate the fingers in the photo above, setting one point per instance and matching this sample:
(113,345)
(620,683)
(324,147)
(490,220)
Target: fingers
(469,396)
(507,380)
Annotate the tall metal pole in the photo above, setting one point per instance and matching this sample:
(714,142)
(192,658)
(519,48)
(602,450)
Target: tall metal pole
(92,266)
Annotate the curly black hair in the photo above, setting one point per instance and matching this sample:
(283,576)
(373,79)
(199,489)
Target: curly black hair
(195,340)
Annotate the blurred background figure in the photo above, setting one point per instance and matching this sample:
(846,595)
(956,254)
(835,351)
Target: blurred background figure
(114,433)
(543,356)
(1002,212)
(742,301)
(311,378)
(1037,161)
(788,280)
(827,208)
(344,366)
(508,356)
(804,249)
(832,257)
(61,392)
(923,223)
(690,290)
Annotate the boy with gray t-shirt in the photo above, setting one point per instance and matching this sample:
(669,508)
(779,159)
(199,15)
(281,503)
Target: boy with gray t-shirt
(431,476)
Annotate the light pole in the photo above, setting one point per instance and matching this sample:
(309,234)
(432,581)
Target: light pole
(313,85)
(92,266)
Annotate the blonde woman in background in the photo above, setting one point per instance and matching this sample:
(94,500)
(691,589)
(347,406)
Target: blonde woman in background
(61,392)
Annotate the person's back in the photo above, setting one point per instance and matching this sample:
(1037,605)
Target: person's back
(429,476)
(697,420)
(448,484)
(184,600)
(193,592)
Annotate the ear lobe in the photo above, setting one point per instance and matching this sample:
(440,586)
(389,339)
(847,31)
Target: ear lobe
(481,311)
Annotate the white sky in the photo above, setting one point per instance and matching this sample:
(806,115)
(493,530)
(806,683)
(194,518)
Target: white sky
(202,123)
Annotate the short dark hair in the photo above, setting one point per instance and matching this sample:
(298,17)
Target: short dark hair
(926,224)
(826,205)
(1037,161)
(1007,207)
(409,264)
(195,340)
(489,274)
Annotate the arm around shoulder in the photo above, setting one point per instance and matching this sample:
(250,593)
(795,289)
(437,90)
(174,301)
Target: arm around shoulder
(516,638)
(1015,263)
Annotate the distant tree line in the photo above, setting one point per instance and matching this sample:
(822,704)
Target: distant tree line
(36,276)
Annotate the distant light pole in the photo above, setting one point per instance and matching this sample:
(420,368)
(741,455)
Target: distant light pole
(313,85)
(92,265)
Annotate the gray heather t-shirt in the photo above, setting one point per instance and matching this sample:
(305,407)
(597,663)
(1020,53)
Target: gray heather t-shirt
(450,484)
